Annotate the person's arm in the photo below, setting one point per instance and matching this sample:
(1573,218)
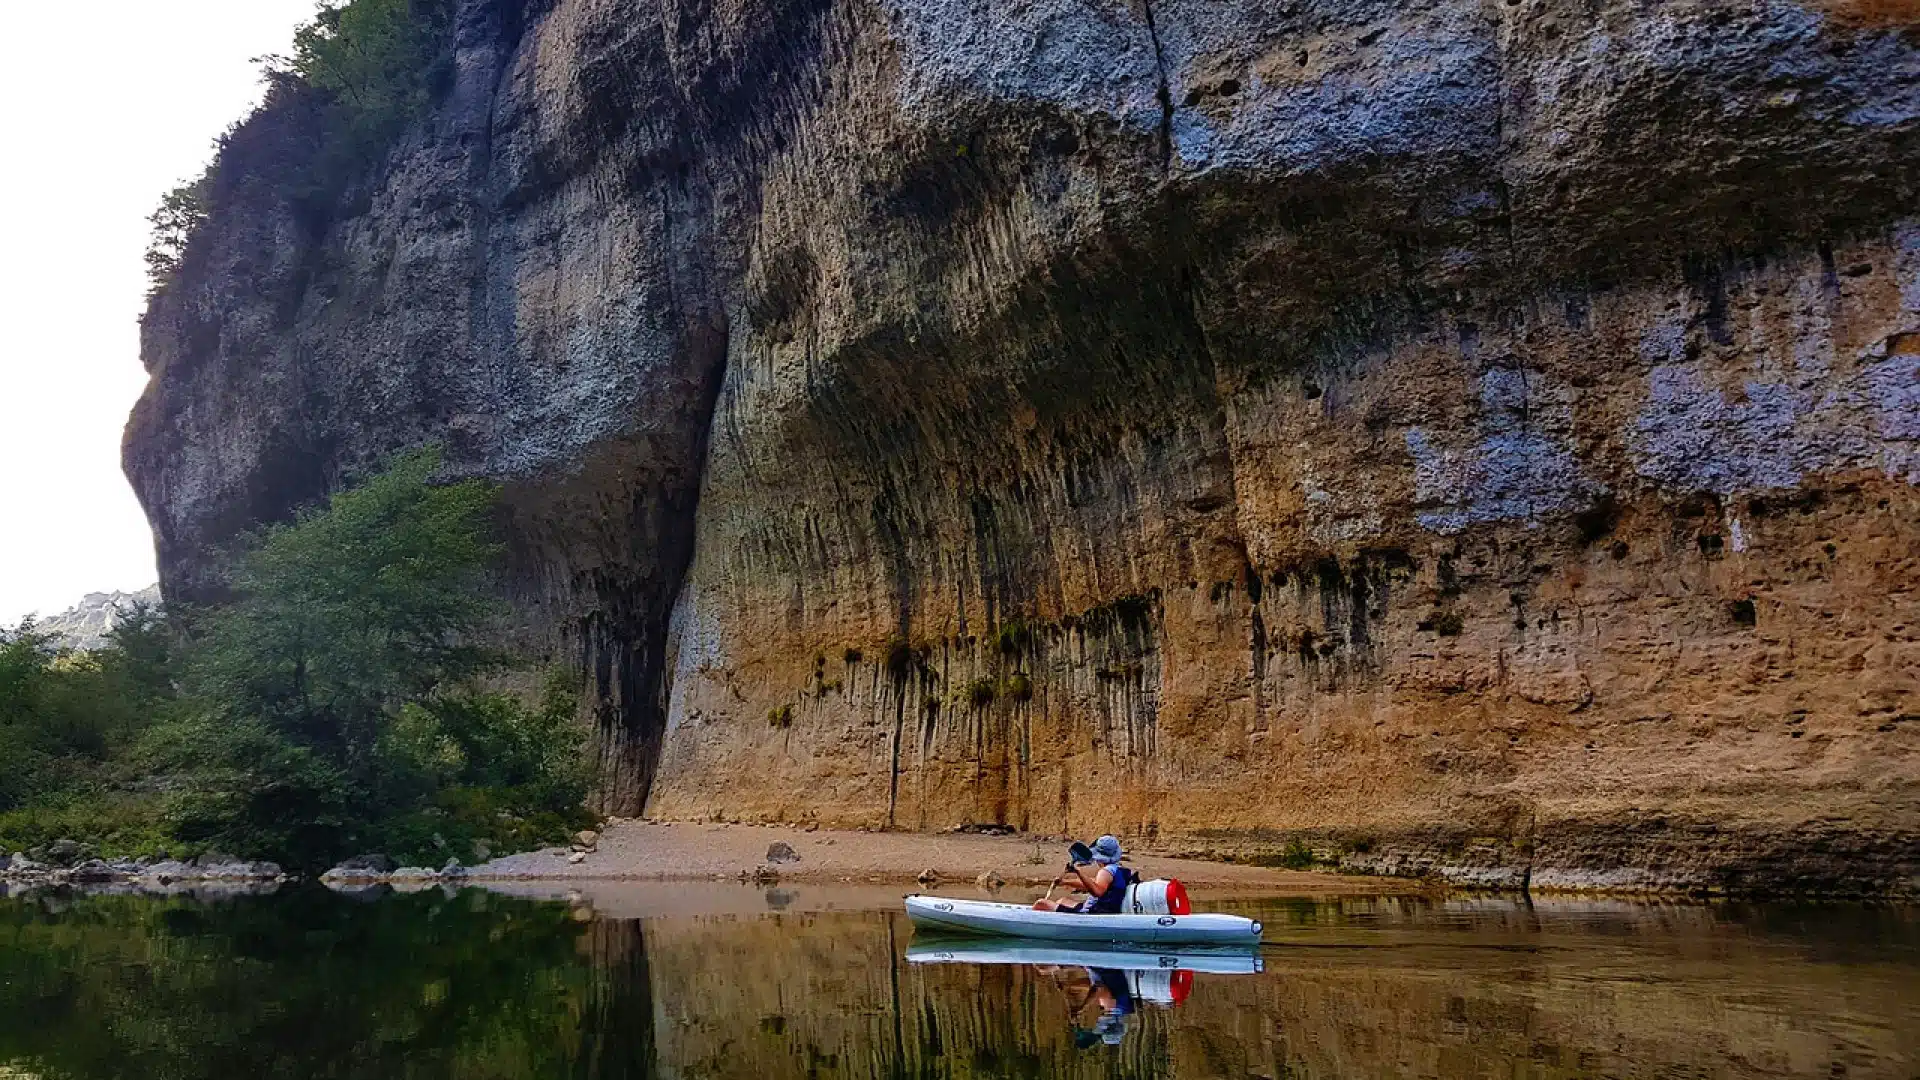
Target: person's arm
(1098,885)
(1076,879)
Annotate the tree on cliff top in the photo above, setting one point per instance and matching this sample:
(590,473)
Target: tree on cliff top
(362,69)
(379,60)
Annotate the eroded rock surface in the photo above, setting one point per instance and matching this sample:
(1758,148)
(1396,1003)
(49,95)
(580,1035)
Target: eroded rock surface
(1460,438)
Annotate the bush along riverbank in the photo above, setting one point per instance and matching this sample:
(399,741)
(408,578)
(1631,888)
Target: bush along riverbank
(339,703)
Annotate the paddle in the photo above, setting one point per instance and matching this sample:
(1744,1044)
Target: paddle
(1078,854)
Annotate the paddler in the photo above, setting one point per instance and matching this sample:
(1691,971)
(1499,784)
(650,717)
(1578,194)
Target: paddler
(1095,871)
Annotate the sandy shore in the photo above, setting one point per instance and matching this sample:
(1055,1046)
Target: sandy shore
(636,851)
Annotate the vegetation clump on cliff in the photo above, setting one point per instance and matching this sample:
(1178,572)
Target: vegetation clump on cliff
(336,706)
(378,61)
(359,73)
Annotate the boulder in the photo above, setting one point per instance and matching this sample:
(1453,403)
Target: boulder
(587,838)
(928,878)
(93,872)
(65,852)
(453,869)
(371,865)
(990,881)
(576,858)
(235,870)
(781,852)
(6,863)
(169,870)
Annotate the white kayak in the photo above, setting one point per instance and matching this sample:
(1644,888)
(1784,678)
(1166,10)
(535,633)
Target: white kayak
(1223,961)
(1019,920)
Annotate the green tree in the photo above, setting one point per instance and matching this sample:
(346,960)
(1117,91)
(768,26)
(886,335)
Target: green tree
(366,68)
(378,60)
(70,726)
(335,705)
(180,214)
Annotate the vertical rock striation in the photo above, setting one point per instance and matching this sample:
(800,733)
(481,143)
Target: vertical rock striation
(1465,438)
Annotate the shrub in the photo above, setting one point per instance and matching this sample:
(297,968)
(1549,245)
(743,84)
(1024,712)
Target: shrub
(1013,637)
(70,722)
(981,692)
(1019,687)
(181,212)
(113,824)
(780,717)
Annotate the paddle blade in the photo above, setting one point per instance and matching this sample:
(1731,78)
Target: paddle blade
(1079,853)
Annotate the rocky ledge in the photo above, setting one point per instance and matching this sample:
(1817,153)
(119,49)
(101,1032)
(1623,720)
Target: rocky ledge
(65,863)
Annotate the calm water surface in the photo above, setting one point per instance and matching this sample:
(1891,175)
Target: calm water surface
(717,981)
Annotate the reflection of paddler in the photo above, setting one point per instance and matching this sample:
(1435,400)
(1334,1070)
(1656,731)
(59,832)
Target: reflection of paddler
(1108,988)
(1110,991)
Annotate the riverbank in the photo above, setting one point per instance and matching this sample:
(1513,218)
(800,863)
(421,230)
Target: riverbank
(651,851)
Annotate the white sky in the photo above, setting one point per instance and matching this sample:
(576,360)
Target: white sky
(104,106)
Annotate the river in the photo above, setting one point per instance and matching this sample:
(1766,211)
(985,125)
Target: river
(724,981)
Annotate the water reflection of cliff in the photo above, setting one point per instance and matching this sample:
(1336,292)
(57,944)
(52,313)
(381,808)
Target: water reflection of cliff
(1380,988)
(472,986)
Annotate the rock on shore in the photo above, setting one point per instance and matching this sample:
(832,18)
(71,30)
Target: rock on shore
(73,867)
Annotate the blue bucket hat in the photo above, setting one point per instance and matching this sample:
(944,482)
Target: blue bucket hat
(1106,850)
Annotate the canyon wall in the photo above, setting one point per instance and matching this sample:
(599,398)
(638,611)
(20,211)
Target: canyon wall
(1474,438)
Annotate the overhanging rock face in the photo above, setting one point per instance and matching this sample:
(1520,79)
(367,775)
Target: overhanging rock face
(1467,438)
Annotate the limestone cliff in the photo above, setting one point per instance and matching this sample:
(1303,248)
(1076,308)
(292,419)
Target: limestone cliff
(1461,436)
(85,625)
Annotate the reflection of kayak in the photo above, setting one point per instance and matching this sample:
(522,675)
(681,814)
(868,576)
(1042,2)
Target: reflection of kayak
(1016,920)
(1164,977)
(1241,961)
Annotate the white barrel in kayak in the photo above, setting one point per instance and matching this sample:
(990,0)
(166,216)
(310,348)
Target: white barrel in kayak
(1161,896)
(1019,920)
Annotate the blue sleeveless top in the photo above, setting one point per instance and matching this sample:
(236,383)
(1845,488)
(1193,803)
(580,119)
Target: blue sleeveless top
(1114,898)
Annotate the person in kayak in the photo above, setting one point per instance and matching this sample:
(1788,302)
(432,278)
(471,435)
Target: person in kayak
(1101,878)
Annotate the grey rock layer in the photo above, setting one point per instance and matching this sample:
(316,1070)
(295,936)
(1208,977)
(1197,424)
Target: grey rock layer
(85,625)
